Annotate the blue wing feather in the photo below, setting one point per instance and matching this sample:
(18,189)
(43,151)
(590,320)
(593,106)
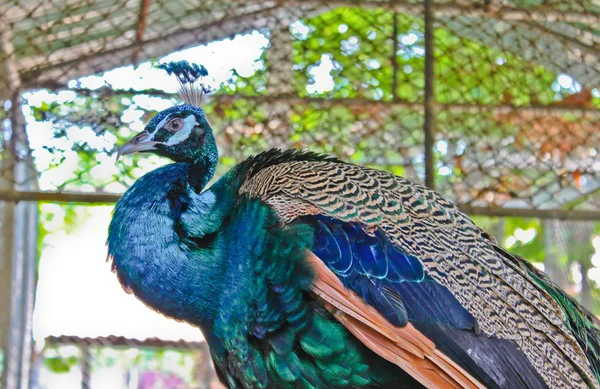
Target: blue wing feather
(403,267)
(370,265)
(371,257)
(344,262)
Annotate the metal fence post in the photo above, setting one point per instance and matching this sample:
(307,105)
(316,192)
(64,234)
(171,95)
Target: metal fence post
(430,112)
(19,235)
(86,370)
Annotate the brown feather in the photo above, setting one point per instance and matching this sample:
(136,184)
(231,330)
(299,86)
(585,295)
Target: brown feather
(406,347)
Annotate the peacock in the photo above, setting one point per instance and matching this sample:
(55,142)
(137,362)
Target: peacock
(305,271)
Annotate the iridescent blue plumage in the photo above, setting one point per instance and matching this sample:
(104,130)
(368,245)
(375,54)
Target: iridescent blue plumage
(241,280)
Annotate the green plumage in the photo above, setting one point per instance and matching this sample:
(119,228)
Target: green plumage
(285,339)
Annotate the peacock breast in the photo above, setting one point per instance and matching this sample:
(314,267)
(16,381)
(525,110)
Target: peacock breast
(143,245)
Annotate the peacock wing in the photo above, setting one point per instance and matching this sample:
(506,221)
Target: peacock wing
(411,255)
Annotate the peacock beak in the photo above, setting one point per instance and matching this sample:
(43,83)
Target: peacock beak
(140,142)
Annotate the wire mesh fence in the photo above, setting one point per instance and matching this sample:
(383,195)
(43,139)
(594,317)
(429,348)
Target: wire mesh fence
(514,87)
(496,103)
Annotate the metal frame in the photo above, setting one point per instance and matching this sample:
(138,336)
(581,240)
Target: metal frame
(430,103)
(85,344)
(93,56)
(111,198)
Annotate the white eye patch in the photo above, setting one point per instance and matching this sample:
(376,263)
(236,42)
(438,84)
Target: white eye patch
(159,126)
(188,124)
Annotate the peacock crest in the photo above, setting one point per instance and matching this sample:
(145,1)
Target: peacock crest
(191,90)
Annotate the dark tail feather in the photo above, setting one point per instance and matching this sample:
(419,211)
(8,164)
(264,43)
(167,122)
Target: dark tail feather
(498,363)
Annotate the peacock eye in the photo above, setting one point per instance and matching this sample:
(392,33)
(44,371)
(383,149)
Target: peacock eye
(175,124)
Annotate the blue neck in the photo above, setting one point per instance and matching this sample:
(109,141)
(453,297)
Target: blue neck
(203,158)
(150,257)
(202,170)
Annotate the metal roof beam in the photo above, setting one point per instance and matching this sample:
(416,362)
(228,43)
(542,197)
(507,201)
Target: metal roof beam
(110,198)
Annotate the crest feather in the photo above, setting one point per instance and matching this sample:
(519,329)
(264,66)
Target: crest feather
(190,91)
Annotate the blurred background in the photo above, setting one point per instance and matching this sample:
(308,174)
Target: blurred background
(494,103)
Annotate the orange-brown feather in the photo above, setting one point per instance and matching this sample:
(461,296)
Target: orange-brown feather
(406,347)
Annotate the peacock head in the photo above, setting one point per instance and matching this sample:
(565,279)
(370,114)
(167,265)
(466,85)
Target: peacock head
(180,133)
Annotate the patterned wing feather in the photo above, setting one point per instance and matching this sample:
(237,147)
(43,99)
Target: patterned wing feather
(496,289)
